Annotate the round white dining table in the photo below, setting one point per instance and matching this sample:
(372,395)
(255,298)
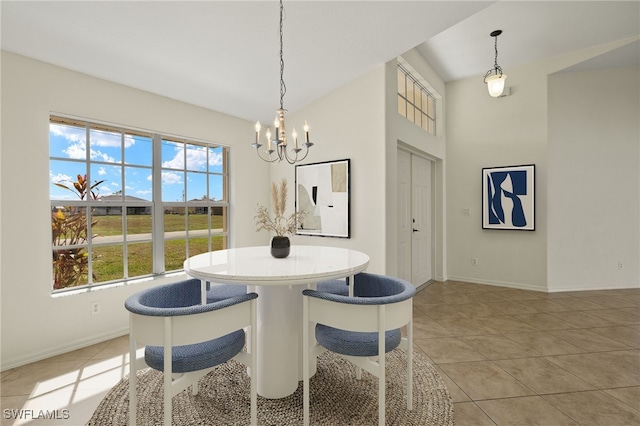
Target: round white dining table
(279,284)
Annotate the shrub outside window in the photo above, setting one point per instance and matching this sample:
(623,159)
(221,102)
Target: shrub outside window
(128,204)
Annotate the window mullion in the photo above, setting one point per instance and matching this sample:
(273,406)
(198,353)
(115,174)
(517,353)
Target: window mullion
(158,209)
(87,207)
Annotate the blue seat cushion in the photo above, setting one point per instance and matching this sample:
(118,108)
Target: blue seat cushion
(198,356)
(219,292)
(355,343)
(334,287)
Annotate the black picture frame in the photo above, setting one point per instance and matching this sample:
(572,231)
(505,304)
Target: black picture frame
(508,197)
(323,193)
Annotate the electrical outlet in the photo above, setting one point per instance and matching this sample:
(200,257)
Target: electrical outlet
(620,265)
(466,211)
(475,261)
(95,308)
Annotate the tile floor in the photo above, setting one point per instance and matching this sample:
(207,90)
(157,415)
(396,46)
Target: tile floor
(515,357)
(508,357)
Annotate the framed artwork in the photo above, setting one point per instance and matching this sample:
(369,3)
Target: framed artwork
(323,193)
(508,197)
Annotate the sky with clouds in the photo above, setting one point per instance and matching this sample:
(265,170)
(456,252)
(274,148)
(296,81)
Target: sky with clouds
(124,164)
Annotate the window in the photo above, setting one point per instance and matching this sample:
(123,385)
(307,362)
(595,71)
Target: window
(129,204)
(415,102)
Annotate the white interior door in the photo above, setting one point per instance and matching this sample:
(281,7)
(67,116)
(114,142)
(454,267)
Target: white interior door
(415,231)
(404,216)
(421,232)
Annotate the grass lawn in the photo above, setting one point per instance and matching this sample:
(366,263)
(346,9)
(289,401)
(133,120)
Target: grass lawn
(141,224)
(108,261)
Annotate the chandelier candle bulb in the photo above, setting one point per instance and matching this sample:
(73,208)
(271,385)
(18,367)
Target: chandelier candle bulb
(294,135)
(257,132)
(268,134)
(306,131)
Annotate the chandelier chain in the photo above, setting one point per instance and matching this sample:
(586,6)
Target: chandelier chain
(283,87)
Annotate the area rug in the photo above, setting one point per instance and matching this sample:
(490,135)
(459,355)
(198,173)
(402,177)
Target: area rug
(337,398)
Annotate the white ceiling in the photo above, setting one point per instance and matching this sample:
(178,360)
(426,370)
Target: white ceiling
(223,55)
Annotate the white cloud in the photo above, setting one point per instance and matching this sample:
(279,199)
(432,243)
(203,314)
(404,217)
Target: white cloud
(196,158)
(111,140)
(74,134)
(102,171)
(171,178)
(60,177)
(101,156)
(76,151)
(215,159)
(78,148)
(176,162)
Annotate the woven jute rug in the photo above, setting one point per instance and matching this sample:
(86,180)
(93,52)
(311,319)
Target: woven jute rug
(337,398)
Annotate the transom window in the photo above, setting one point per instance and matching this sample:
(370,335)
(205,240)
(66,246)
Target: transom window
(415,101)
(128,204)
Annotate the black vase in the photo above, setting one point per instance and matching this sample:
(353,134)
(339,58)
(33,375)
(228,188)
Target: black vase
(280,246)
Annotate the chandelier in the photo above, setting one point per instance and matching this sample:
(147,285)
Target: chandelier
(277,147)
(494,78)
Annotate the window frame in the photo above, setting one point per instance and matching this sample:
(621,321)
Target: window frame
(424,93)
(155,205)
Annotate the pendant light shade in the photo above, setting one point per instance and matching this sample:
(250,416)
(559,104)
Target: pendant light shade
(495,84)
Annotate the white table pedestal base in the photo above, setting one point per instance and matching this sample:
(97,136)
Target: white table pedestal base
(279,340)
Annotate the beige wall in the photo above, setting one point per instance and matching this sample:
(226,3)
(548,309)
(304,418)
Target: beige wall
(34,324)
(574,129)
(594,175)
(485,132)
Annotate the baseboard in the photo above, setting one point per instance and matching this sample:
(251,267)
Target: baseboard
(565,289)
(59,350)
(522,286)
(495,283)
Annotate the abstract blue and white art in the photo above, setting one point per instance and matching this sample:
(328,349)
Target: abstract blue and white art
(508,198)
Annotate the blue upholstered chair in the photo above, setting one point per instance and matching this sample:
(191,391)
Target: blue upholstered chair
(218,292)
(361,329)
(186,339)
(334,286)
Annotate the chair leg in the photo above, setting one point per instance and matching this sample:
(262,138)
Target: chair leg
(133,396)
(167,399)
(168,348)
(410,366)
(305,361)
(382,403)
(253,341)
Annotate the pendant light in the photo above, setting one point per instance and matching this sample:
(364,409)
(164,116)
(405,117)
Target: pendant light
(495,78)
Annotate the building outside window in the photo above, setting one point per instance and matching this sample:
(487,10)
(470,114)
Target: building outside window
(415,101)
(128,204)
